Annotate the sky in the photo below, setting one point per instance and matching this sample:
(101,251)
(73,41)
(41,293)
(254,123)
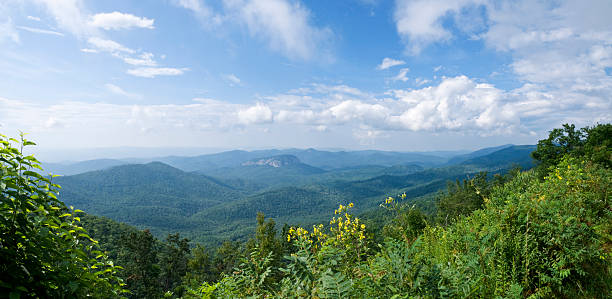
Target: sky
(355,74)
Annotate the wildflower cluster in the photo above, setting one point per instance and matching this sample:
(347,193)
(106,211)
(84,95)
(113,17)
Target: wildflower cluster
(391,203)
(345,231)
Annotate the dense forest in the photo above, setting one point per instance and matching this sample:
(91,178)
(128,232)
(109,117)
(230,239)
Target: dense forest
(509,233)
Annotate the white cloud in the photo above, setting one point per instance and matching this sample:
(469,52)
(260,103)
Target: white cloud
(37,19)
(147,65)
(107,45)
(205,14)
(284,25)
(232,79)
(194,5)
(421,81)
(117,20)
(560,50)
(258,114)
(456,104)
(389,62)
(119,91)
(88,50)
(53,123)
(69,15)
(41,31)
(151,72)
(401,76)
(419,22)
(144,59)
(337,91)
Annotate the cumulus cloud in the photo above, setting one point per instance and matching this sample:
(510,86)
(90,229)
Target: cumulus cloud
(388,63)
(560,50)
(71,15)
(152,72)
(258,114)
(456,104)
(117,20)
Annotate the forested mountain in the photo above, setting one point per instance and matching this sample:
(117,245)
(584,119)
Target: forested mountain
(508,156)
(477,153)
(222,203)
(151,195)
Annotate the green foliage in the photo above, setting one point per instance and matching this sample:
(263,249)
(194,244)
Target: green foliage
(140,253)
(512,236)
(173,260)
(44,252)
(593,143)
(598,145)
(407,225)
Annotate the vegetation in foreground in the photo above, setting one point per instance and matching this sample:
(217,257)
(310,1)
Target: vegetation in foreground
(541,233)
(44,252)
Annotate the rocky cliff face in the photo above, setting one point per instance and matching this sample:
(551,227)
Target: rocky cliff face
(276,161)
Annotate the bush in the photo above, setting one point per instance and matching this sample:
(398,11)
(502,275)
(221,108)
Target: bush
(43,250)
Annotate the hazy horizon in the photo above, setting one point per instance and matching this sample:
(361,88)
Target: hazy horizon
(69,155)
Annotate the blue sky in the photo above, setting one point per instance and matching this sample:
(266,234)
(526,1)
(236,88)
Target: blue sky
(355,74)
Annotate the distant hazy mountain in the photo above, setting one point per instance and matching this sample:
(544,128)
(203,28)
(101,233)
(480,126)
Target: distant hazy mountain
(481,152)
(80,167)
(320,159)
(276,161)
(326,160)
(513,155)
(343,159)
(278,170)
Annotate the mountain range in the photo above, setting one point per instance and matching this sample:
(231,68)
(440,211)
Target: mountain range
(216,197)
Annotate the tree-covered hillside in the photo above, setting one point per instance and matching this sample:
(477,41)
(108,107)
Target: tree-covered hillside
(152,195)
(211,209)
